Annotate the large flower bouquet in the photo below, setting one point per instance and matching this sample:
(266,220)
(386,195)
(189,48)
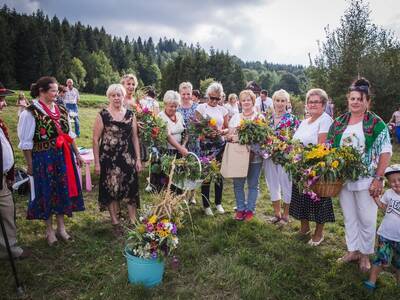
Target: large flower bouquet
(205,128)
(281,148)
(211,169)
(253,132)
(153,238)
(154,235)
(153,130)
(185,168)
(323,164)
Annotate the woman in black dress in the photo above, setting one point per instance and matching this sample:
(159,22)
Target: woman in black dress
(117,156)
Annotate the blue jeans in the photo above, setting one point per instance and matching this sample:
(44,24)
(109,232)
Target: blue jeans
(252,184)
(73,110)
(397,130)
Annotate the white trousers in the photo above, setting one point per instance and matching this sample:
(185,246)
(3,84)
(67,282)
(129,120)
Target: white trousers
(360,214)
(278,181)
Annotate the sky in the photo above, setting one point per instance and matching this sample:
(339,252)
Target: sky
(279,31)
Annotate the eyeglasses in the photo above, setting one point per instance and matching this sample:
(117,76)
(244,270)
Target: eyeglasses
(313,102)
(214,98)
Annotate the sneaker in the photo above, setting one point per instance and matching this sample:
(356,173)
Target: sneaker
(240,215)
(248,215)
(370,285)
(220,209)
(208,211)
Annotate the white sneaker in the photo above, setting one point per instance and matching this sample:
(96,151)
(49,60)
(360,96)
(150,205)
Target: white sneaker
(220,209)
(208,211)
(192,201)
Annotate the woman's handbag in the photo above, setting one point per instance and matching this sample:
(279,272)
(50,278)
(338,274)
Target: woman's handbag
(235,161)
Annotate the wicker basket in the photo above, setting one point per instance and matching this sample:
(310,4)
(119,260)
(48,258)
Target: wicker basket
(327,189)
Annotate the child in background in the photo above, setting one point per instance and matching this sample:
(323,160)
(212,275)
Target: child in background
(389,232)
(22,102)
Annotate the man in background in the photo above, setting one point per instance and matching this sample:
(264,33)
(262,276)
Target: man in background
(264,103)
(71,100)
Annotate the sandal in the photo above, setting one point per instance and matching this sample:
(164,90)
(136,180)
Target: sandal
(364,264)
(349,257)
(284,221)
(51,238)
(315,243)
(274,219)
(63,235)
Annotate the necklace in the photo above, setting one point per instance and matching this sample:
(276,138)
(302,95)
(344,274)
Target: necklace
(248,115)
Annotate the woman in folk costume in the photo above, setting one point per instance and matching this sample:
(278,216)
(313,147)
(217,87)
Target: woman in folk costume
(43,131)
(365,131)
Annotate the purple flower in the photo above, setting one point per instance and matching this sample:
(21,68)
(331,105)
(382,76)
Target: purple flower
(154,255)
(149,227)
(174,230)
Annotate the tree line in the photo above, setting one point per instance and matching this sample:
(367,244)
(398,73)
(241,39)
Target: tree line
(36,45)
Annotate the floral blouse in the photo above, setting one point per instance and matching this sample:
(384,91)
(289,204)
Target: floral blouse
(288,122)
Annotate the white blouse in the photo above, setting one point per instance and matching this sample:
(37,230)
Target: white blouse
(217,112)
(354,136)
(174,129)
(27,125)
(307,133)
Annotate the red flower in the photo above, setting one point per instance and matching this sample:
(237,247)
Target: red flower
(43,131)
(154,132)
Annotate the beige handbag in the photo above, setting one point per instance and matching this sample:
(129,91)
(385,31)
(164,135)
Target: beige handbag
(235,161)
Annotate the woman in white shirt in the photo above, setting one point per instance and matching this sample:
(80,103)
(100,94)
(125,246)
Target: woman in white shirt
(149,102)
(232,105)
(313,130)
(213,145)
(175,123)
(43,130)
(366,132)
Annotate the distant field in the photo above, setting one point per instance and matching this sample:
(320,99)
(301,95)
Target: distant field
(87,100)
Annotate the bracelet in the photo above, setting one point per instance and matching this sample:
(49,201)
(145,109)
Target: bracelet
(380,178)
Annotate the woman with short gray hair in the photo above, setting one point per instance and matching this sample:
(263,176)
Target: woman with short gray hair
(213,146)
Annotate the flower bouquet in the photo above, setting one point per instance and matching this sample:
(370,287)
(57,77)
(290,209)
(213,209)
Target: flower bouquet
(187,170)
(205,128)
(253,132)
(154,237)
(152,129)
(320,170)
(211,169)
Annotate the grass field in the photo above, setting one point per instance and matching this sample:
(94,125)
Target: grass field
(219,259)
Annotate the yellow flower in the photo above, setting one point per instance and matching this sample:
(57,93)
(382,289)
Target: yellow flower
(313,173)
(321,164)
(282,146)
(213,122)
(335,164)
(153,219)
(141,229)
(258,121)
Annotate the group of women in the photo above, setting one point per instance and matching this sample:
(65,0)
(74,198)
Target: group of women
(49,152)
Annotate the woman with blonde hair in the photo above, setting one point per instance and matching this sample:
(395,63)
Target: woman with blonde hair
(130,83)
(117,157)
(278,181)
(245,208)
(232,105)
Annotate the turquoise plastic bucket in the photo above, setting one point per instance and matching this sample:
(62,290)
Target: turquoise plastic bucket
(148,272)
